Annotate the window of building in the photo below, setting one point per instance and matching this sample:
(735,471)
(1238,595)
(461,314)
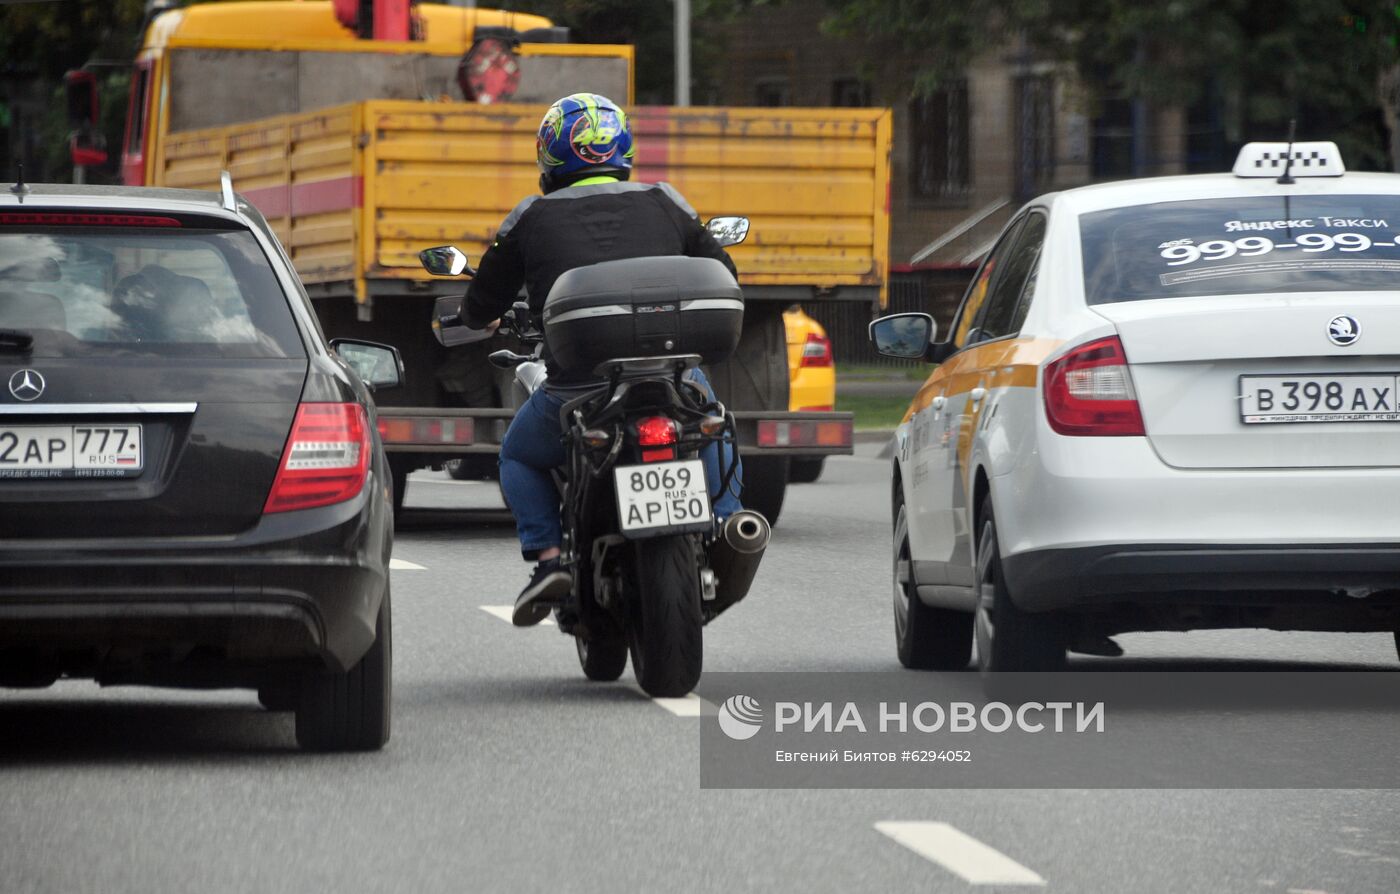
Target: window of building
(770,92)
(939,162)
(850,93)
(1035,135)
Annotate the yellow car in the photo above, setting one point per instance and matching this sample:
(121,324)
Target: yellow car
(812,384)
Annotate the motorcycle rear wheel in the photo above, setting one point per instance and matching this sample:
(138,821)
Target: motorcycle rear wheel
(602,659)
(666,617)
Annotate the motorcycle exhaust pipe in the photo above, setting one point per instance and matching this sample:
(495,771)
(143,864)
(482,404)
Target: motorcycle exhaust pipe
(736,554)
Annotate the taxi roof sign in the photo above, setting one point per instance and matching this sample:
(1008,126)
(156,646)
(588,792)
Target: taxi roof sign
(1317,159)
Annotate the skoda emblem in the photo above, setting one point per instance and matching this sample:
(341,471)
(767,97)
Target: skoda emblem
(27,384)
(1343,330)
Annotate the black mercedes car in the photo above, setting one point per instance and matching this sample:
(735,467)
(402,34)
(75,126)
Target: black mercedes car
(192,488)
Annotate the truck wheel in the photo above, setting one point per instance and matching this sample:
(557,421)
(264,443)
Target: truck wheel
(602,658)
(925,638)
(665,633)
(350,711)
(806,469)
(280,695)
(756,377)
(398,474)
(765,485)
(1009,639)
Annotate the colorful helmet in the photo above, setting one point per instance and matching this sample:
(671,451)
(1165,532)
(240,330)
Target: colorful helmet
(581,135)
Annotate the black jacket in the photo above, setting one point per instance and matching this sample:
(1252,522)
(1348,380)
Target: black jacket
(574,227)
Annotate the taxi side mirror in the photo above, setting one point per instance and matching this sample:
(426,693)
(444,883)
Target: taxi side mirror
(906,336)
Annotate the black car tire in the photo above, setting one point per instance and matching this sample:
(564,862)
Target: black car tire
(926,638)
(351,711)
(602,658)
(665,633)
(1009,639)
(806,470)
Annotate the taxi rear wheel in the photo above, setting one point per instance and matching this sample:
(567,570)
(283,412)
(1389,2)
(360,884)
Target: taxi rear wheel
(1009,639)
(926,638)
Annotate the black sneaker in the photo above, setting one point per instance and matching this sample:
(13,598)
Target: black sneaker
(549,585)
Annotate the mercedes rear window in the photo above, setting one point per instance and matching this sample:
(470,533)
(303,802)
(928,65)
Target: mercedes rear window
(155,287)
(1242,246)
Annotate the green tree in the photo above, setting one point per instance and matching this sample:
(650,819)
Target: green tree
(1264,62)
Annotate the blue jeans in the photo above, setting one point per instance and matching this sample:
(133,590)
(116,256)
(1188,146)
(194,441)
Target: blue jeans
(532,449)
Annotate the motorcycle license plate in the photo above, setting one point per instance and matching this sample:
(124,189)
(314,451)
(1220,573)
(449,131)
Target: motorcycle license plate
(662,498)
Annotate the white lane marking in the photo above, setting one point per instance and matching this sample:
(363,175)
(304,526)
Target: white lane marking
(504,612)
(685,706)
(405,565)
(959,853)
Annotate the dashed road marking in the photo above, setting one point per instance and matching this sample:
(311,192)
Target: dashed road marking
(405,565)
(504,612)
(685,706)
(959,853)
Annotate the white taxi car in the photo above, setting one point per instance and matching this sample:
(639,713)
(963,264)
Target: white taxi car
(1166,404)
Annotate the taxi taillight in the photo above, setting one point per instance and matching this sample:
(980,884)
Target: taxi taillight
(816,352)
(326,459)
(1089,392)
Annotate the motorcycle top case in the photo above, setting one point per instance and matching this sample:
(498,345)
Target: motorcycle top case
(643,307)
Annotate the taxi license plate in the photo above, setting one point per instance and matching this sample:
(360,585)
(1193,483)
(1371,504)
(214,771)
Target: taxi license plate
(1319,398)
(662,497)
(70,451)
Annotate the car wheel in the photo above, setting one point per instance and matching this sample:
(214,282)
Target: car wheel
(805,471)
(350,711)
(1009,639)
(1397,643)
(602,658)
(925,638)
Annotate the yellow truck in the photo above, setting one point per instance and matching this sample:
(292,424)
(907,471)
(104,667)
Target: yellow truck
(359,153)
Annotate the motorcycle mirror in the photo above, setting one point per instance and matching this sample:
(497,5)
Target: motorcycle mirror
(728,230)
(521,314)
(445,260)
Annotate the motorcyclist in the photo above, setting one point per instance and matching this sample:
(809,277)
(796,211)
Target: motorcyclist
(587,213)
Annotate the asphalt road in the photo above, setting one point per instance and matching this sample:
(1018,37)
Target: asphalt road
(507,771)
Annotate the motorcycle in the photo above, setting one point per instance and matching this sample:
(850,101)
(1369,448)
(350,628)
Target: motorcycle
(651,565)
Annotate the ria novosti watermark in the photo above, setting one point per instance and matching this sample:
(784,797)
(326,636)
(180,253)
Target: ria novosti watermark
(1081,730)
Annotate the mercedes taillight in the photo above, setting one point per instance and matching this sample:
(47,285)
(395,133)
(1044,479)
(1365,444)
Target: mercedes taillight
(1089,392)
(326,459)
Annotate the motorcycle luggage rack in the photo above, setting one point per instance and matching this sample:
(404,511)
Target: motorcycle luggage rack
(635,367)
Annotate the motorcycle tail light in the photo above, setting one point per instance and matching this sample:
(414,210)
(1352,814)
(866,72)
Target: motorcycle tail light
(655,431)
(658,454)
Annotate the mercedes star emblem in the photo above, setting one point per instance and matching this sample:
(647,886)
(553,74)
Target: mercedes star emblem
(27,384)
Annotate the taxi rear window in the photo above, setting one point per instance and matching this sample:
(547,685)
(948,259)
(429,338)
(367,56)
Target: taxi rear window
(128,287)
(1242,246)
